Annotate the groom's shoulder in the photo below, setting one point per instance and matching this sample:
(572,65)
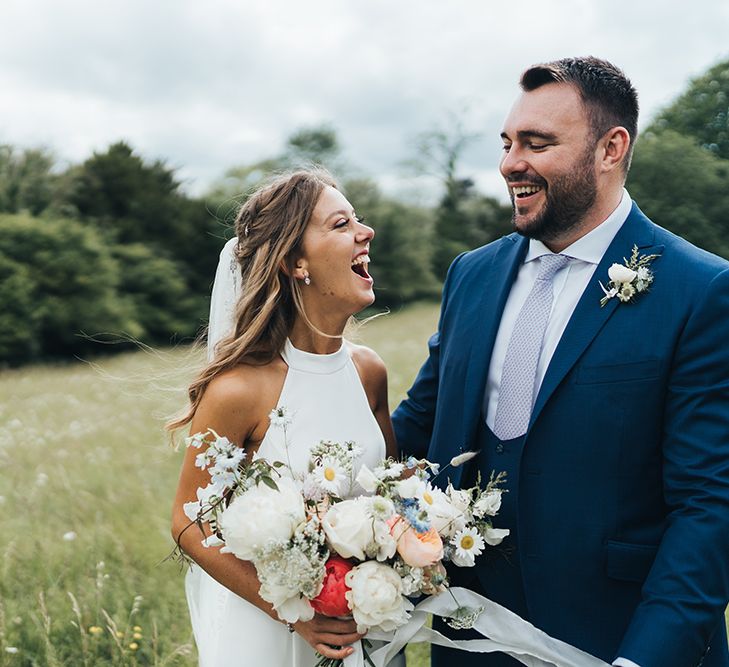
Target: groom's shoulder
(684,255)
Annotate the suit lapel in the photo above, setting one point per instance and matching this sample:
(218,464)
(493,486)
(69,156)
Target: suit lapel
(484,325)
(589,317)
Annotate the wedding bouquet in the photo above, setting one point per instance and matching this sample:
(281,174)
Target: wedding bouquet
(317,550)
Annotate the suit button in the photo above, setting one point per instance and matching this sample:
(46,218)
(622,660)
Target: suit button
(499,448)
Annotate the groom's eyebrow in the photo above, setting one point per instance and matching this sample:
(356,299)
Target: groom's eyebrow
(531,134)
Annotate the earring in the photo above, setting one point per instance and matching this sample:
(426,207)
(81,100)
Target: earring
(307,280)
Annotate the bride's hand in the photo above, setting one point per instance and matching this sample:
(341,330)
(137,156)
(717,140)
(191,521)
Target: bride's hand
(324,633)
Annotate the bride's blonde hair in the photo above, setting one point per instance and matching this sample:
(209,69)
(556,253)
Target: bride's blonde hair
(270,227)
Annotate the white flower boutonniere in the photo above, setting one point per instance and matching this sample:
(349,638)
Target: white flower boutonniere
(629,279)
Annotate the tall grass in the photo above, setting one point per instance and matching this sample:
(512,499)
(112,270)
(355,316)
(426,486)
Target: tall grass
(85,494)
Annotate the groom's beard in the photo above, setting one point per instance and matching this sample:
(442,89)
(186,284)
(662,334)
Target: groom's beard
(569,198)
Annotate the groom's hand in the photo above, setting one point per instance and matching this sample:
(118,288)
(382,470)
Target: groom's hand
(325,633)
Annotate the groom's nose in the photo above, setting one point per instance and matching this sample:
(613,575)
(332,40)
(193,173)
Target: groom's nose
(513,162)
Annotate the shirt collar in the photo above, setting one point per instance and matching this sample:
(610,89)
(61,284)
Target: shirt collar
(592,246)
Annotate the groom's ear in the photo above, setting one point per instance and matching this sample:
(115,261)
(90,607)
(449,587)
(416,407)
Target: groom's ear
(613,148)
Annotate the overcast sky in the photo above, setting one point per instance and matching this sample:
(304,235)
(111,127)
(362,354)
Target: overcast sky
(209,85)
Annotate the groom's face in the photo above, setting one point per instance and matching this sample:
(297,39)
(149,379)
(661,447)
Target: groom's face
(549,162)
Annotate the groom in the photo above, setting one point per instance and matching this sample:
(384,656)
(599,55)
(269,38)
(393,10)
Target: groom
(608,408)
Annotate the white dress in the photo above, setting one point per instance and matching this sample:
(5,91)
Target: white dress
(325,395)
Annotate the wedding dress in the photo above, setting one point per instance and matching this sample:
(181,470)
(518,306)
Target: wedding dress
(325,396)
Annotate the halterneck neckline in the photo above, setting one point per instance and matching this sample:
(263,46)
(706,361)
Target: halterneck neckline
(315,363)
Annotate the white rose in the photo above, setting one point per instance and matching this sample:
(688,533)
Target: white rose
(348,527)
(376,597)
(488,504)
(261,515)
(621,274)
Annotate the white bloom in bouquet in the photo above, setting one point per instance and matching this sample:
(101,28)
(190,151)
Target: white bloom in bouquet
(389,470)
(206,496)
(286,600)
(348,527)
(367,479)
(488,504)
(461,500)
(495,536)
(468,544)
(376,597)
(444,516)
(330,475)
(261,515)
(412,487)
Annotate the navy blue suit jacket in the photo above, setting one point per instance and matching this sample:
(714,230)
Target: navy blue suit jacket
(623,496)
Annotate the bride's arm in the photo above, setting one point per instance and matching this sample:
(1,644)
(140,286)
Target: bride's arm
(230,406)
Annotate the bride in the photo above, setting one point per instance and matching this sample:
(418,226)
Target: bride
(299,264)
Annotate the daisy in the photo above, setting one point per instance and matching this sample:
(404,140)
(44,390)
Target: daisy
(329,474)
(468,544)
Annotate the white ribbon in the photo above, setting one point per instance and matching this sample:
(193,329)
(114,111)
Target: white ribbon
(503,631)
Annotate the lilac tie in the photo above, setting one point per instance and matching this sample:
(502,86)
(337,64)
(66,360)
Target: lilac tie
(518,378)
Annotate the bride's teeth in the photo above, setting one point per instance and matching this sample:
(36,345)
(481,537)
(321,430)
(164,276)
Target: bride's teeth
(363,259)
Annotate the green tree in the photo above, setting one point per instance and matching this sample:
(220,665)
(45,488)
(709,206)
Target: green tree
(26,180)
(157,294)
(317,144)
(702,112)
(683,187)
(66,281)
(463,218)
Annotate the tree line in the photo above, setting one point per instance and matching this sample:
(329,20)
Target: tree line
(114,248)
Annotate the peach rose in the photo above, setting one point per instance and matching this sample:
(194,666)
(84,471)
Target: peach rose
(416,549)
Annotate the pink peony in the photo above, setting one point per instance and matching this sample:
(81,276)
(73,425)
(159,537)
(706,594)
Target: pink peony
(416,549)
(332,601)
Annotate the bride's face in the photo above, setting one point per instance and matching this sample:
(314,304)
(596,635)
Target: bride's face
(335,253)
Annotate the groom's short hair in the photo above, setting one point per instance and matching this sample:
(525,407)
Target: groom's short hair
(609,97)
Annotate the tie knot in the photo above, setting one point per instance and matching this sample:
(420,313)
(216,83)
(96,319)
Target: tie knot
(550,264)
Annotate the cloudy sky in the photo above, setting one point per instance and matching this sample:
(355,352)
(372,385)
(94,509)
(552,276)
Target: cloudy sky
(209,85)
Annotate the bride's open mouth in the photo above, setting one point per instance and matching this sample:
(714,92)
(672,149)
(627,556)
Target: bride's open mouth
(359,266)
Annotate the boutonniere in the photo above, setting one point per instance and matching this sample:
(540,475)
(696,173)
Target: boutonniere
(628,279)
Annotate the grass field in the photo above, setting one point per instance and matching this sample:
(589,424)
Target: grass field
(87,478)
(85,493)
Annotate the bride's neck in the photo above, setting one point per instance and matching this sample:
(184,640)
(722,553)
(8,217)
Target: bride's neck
(304,338)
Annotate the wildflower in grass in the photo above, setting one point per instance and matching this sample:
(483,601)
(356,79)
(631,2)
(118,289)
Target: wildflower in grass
(95,630)
(137,635)
(41,479)
(119,634)
(136,628)
(70,536)
(134,646)
(11,649)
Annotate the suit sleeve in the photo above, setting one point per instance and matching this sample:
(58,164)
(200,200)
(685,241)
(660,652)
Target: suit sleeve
(687,589)
(413,419)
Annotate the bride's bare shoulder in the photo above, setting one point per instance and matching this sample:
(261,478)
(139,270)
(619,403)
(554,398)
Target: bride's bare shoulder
(240,398)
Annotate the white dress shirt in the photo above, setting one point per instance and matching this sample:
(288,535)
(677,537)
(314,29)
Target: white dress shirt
(569,283)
